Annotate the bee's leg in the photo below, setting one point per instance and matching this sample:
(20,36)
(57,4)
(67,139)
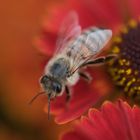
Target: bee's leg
(100,60)
(68,93)
(85,76)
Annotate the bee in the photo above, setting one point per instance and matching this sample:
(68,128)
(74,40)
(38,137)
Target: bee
(76,49)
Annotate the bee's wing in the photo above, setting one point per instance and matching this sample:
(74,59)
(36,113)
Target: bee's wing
(92,42)
(69,30)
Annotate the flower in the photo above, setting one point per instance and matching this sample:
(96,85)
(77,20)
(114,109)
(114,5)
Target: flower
(112,122)
(125,69)
(109,14)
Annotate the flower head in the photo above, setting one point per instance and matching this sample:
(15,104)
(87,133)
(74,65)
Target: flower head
(113,122)
(125,69)
(109,14)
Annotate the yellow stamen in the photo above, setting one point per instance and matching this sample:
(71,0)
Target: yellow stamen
(128,71)
(132,23)
(127,63)
(116,77)
(122,62)
(117,39)
(122,81)
(116,49)
(121,71)
(125,30)
(136,72)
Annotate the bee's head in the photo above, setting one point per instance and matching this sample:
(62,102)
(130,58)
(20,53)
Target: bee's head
(51,85)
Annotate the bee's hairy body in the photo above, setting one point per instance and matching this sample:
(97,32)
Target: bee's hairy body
(73,56)
(59,68)
(75,50)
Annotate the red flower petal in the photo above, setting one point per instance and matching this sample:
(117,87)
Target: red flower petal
(74,135)
(104,13)
(134,5)
(114,122)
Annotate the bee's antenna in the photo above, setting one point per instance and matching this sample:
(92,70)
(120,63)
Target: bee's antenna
(34,97)
(49,99)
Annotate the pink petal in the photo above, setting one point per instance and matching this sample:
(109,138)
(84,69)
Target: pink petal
(74,136)
(114,122)
(75,110)
(104,13)
(136,116)
(134,5)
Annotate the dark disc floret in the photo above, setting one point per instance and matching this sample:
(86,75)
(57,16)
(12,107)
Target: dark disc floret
(125,70)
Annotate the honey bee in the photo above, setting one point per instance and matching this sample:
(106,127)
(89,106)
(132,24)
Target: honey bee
(76,49)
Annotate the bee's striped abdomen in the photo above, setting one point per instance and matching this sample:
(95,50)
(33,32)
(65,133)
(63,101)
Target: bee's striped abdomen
(96,39)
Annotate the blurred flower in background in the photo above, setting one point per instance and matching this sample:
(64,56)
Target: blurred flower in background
(19,72)
(108,14)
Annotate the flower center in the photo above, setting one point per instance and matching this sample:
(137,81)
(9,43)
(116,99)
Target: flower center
(125,70)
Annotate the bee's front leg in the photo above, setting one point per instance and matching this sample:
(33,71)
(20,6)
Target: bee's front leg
(85,76)
(68,93)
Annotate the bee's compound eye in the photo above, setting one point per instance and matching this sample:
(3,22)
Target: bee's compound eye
(57,87)
(44,79)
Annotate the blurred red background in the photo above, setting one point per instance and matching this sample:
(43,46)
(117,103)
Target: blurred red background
(19,72)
